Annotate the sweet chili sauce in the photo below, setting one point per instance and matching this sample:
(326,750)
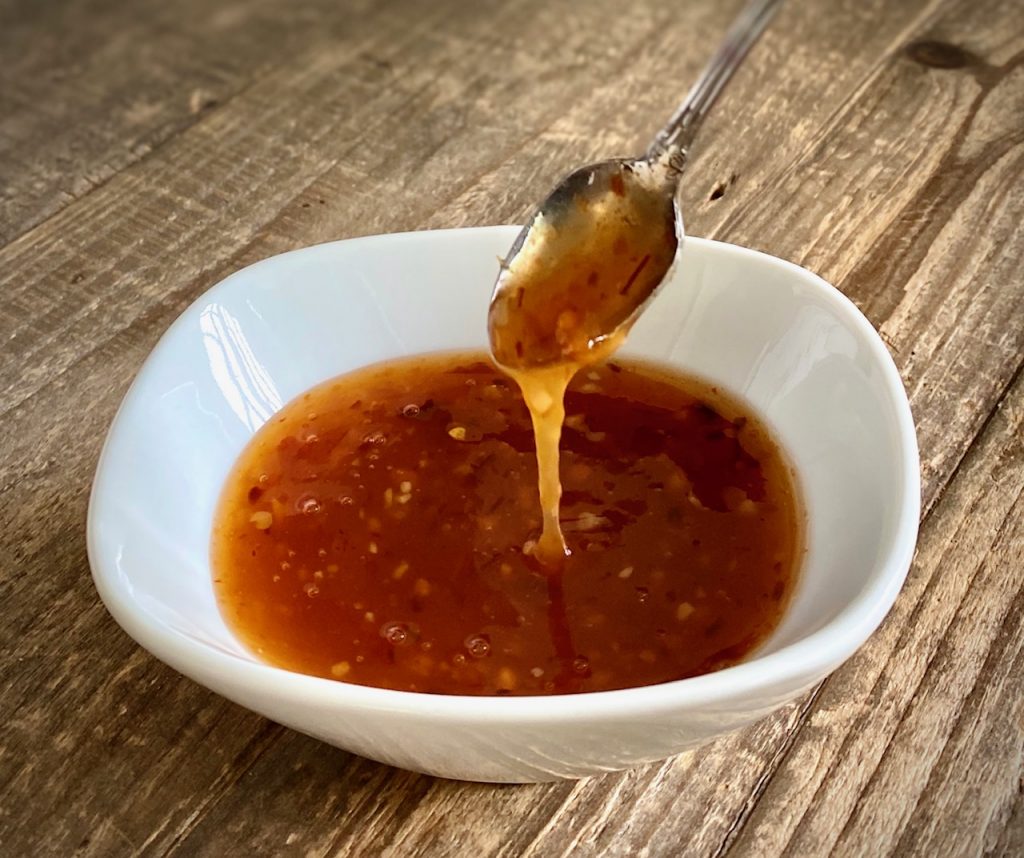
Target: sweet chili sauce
(380,530)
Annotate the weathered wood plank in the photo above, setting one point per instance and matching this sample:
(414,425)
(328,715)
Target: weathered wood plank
(1011,840)
(404,86)
(916,745)
(91,87)
(443,119)
(973,786)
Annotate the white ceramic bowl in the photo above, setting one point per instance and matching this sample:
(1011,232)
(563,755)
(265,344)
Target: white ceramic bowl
(771,332)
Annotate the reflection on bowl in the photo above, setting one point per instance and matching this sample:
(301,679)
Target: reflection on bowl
(764,329)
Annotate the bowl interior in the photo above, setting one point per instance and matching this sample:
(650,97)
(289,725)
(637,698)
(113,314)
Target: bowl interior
(767,331)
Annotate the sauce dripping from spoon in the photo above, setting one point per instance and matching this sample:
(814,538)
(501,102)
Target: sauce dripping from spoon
(589,261)
(568,299)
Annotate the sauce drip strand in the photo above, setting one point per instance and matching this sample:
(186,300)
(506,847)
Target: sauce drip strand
(373,531)
(543,392)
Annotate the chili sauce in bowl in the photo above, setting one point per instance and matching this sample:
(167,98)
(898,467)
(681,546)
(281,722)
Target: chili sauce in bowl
(379,530)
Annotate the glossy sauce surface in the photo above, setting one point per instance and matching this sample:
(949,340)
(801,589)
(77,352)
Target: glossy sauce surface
(374,531)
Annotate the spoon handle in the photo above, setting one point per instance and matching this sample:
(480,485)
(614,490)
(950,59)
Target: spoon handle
(679,131)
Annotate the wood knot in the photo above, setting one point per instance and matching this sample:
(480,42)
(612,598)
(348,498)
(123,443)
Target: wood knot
(939,55)
(719,190)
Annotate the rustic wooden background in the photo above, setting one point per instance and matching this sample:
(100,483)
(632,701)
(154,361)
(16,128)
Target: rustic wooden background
(149,147)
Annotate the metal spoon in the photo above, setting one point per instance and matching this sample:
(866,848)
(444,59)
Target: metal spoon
(595,252)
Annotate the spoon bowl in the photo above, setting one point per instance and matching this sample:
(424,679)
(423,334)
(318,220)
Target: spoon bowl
(586,264)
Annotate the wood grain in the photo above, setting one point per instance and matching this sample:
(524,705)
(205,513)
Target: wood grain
(877,143)
(128,77)
(916,746)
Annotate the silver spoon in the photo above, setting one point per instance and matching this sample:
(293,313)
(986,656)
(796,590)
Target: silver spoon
(595,252)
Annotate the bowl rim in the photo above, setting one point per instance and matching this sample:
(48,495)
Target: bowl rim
(802,662)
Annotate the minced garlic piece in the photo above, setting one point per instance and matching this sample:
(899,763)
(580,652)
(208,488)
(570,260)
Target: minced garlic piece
(261,520)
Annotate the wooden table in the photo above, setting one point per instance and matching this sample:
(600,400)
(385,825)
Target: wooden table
(149,148)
